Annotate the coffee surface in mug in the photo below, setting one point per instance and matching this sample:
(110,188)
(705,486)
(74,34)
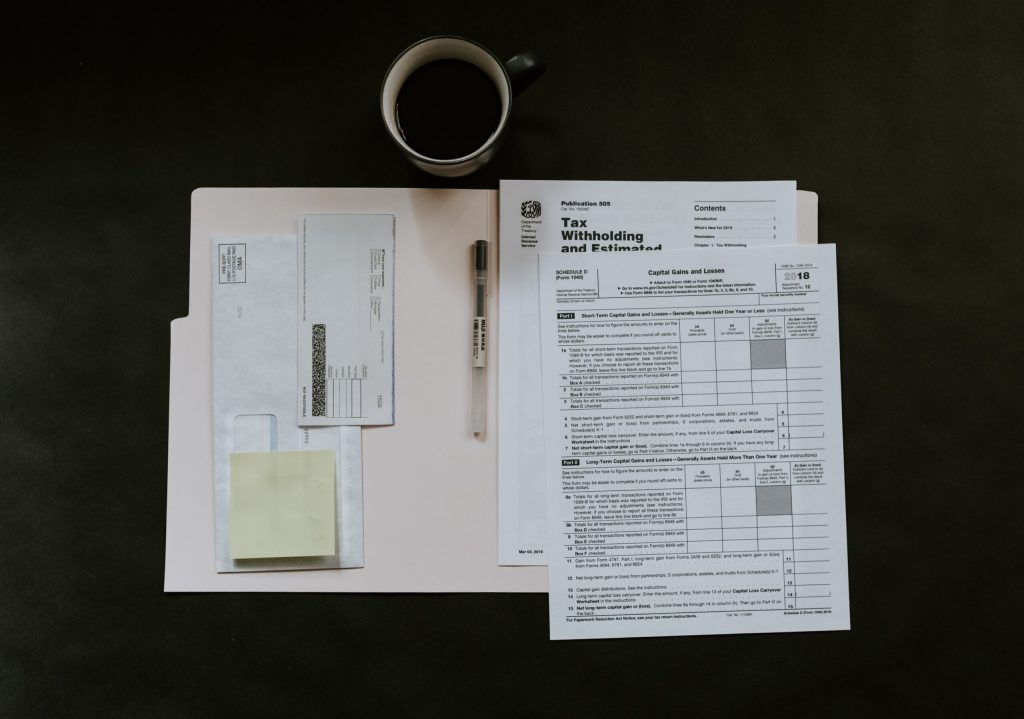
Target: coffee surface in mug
(447,109)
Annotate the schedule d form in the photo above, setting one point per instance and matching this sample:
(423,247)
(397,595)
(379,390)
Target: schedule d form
(693,442)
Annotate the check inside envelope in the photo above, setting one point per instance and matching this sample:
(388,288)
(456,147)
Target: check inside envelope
(282,504)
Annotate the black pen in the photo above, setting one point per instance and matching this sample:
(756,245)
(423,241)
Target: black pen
(478,413)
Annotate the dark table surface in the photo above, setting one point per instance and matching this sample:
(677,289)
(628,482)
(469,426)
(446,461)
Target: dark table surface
(906,118)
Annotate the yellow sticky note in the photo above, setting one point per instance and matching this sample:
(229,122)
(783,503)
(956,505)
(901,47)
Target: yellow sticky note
(282,505)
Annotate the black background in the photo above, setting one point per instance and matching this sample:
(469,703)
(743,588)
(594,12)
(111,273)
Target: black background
(906,118)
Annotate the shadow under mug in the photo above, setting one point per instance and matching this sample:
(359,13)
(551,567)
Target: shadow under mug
(510,78)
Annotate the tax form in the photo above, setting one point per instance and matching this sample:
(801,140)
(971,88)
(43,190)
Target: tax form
(594,219)
(693,436)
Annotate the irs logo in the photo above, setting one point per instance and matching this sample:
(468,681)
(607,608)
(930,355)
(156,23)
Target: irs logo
(530,209)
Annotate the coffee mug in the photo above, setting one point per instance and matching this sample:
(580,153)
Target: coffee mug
(446,102)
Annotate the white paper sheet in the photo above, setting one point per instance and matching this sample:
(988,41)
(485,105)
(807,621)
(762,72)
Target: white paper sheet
(694,448)
(594,219)
(254,370)
(346,287)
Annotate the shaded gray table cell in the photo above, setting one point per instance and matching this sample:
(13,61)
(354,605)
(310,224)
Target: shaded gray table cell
(773,501)
(767,354)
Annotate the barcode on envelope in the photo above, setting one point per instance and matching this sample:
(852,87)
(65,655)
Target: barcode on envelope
(319,371)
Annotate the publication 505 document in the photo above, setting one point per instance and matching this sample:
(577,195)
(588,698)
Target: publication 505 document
(693,436)
(610,220)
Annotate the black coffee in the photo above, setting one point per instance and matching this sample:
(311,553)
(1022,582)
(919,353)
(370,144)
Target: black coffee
(447,109)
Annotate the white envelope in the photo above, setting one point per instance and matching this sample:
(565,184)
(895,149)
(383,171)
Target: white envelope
(346,371)
(254,322)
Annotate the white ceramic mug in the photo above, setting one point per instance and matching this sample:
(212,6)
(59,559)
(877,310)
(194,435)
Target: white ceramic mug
(510,78)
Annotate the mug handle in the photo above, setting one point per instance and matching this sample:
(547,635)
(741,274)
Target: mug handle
(523,70)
